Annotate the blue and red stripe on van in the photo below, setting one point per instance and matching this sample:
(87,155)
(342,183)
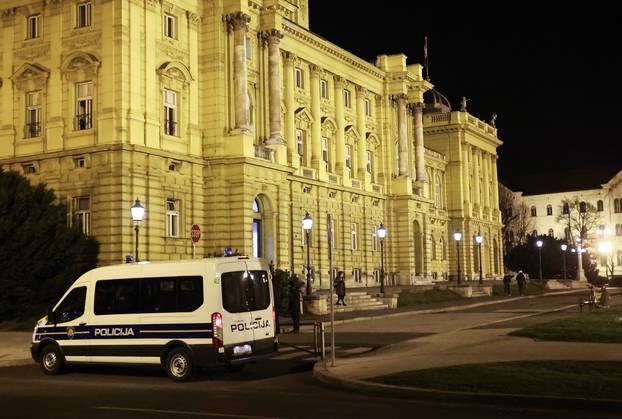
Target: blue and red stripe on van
(124,331)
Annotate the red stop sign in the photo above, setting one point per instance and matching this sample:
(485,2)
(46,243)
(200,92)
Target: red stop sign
(195,233)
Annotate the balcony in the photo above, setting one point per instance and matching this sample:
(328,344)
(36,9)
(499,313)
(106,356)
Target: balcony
(262,152)
(84,121)
(32,130)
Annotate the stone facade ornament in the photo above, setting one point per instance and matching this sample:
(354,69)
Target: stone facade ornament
(493,120)
(237,21)
(275,80)
(463,104)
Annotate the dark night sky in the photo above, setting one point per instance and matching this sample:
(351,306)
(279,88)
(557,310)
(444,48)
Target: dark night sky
(552,76)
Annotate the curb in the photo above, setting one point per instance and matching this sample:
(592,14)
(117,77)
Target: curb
(320,373)
(448,309)
(16,363)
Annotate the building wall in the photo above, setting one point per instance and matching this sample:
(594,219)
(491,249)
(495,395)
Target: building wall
(247,77)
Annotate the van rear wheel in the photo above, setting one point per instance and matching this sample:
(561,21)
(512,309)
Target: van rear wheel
(51,360)
(179,365)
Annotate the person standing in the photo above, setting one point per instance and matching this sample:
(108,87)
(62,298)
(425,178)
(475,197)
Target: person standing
(507,279)
(294,302)
(520,280)
(340,288)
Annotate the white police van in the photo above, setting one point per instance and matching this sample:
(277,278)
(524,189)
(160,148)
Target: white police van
(177,314)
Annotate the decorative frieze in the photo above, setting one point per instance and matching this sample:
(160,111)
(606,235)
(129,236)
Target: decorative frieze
(80,40)
(30,52)
(172,50)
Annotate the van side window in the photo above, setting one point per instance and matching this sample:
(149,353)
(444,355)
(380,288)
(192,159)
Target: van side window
(245,291)
(72,306)
(119,296)
(158,295)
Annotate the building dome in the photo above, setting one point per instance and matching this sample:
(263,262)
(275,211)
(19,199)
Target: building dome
(435,102)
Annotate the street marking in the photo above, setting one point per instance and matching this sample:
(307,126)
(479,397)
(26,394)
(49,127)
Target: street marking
(180,412)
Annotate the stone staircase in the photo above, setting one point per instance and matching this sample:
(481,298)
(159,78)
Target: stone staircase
(356,301)
(478,292)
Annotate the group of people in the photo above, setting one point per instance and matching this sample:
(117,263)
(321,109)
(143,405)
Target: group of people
(521,281)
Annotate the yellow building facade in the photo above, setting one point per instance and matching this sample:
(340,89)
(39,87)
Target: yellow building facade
(232,115)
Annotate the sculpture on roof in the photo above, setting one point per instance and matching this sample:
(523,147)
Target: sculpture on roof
(493,120)
(463,104)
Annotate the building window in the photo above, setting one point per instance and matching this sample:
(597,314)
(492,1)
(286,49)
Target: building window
(534,233)
(616,205)
(324,89)
(433,247)
(551,232)
(84,105)
(438,192)
(565,209)
(33,114)
(82,214)
(356,273)
(32,29)
(355,242)
(349,158)
(30,169)
(170,112)
(534,212)
(249,49)
(370,162)
(347,102)
(170,26)
(172,218)
(374,238)
(325,153)
(299,78)
(301,143)
(600,206)
(367,107)
(443,250)
(582,207)
(619,257)
(83,17)
(79,162)
(549,210)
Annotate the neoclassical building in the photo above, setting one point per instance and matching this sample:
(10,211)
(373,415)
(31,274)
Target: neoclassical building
(234,116)
(606,201)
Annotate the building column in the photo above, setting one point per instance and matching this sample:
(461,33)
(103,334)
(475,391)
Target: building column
(495,182)
(420,175)
(340,162)
(275,81)
(360,165)
(486,172)
(316,125)
(238,23)
(290,125)
(476,176)
(402,124)
(466,152)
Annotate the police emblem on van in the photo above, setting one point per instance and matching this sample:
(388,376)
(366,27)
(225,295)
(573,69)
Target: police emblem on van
(71,332)
(256,324)
(114,331)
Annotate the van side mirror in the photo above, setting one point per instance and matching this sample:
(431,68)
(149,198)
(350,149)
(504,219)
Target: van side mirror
(51,316)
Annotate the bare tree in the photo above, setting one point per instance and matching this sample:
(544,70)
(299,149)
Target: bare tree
(517,222)
(578,217)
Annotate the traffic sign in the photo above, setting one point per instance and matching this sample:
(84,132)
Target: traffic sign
(195,233)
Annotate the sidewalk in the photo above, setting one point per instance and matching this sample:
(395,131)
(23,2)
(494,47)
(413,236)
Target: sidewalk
(15,348)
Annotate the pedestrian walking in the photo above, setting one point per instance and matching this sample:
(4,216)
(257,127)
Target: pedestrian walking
(522,283)
(340,287)
(294,302)
(507,280)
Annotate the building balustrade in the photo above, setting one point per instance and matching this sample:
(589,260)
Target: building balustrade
(263,152)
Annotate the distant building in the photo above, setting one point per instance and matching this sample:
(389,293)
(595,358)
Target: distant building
(234,116)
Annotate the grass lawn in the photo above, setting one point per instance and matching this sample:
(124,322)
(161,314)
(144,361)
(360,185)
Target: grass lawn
(603,325)
(418,298)
(532,289)
(583,379)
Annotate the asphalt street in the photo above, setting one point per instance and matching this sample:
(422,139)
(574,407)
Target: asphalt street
(279,387)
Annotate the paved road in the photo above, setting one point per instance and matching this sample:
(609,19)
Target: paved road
(279,387)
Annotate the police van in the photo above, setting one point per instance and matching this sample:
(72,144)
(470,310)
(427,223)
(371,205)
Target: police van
(176,314)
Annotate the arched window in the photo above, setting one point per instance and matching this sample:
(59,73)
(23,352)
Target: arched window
(256,228)
(534,212)
(534,233)
(599,205)
(433,244)
(565,208)
(616,205)
(551,232)
(549,210)
(438,192)
(443,249)
(582,207)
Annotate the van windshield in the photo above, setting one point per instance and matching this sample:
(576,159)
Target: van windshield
(245,291)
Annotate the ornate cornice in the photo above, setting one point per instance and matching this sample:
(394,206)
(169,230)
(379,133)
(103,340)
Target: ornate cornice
(30,73)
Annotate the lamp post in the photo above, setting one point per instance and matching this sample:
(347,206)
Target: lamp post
(564,247)
(539,244)
(307,224)
(605,247)
(457,238)
(138,213)
(479,239)
(382,233)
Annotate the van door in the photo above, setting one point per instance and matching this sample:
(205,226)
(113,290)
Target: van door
(71,330)
(236,314)
(260,299)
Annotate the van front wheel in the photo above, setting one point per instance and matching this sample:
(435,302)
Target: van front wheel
(179,364)
(51,360)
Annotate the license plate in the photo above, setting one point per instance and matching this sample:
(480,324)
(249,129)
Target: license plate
(242,350)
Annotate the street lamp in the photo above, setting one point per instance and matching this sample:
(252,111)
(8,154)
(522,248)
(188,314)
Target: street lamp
(564,247)
(382,233)
(539,244)
(457,238)
(307,224)
(138,213)
(479,239)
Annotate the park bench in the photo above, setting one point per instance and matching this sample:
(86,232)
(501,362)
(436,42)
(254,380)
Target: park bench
(594,299)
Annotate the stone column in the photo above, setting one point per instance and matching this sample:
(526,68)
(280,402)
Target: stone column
(419,149)
(476,176)
(238,23)
(290,125)
(275,81)
(495,182)
(361,157)
(466,152)
(316,112)
(340,140)
(486,172)
(402,124)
